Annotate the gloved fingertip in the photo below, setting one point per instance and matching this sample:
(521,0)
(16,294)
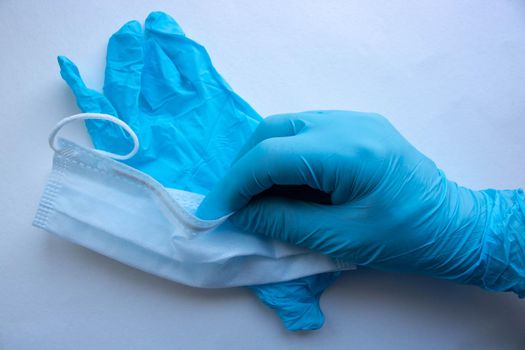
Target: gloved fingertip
(88,100)
(125,47)
(70,73)
(161,22)
(311,320)
(295,304)
(128,36)
(61,60)
(210,209)
(133,27)
(67,65)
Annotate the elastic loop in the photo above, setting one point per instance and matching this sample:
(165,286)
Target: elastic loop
(101,116)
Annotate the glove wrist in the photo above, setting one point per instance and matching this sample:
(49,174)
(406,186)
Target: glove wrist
(501,263)
(480,239)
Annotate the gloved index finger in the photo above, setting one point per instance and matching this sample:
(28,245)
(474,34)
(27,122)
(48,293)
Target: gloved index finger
(281,125)
(274,161)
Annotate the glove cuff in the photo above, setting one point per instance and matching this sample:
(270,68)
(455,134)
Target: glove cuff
(501,266)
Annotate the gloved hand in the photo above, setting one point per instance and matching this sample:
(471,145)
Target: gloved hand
(392,208)
(190,125)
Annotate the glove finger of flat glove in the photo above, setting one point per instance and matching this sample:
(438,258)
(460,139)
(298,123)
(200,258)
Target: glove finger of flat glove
(105,135)
(163,91)
(124,63)
(191,58)
(196,69)
(164,23)
(297,302)
(195,65)
(88,100)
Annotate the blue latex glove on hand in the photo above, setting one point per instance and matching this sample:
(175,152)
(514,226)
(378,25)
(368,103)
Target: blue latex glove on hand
(392,208)
(190,125)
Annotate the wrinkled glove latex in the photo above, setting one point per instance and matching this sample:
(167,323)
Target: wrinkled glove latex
(392,208)
(190,125)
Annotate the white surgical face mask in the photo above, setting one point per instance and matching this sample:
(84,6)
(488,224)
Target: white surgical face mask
(122,213)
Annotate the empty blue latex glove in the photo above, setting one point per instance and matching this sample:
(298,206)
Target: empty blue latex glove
(190,125)
(189,122)
(391,207)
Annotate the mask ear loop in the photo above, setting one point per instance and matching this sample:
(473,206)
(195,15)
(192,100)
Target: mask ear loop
(100,116)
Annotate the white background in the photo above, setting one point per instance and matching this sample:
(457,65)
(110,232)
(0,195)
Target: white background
(449,74)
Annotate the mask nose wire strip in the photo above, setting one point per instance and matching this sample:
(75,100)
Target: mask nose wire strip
(100,116)
(176,210)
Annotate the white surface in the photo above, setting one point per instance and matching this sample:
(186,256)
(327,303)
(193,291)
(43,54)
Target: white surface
(449,74)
